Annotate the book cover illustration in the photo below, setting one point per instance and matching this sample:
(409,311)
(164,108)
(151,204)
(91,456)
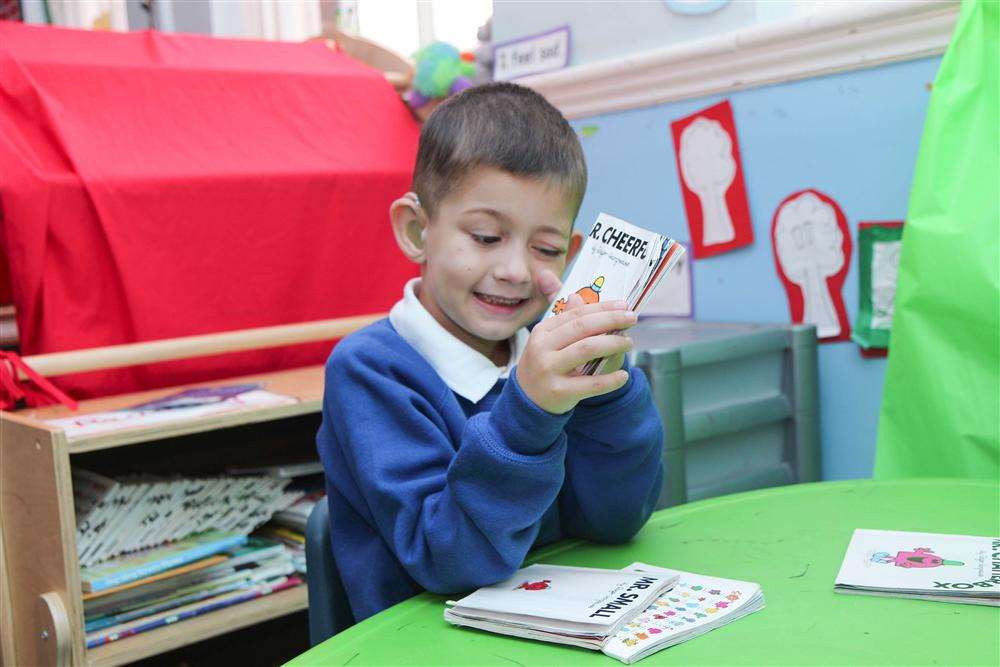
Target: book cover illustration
(617,262)
(884,560)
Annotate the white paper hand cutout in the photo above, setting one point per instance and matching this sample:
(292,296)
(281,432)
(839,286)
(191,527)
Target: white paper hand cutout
(708,168)
(809,246)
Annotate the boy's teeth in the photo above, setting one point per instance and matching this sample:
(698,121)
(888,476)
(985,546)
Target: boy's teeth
(500,301)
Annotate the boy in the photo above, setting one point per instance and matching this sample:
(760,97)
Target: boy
(452,438)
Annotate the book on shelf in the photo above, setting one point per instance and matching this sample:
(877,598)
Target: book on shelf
(618,261)
(145,624)
(153,561)
(627,614)
(122,609)
(929,566)
(296,516)
(282,471)
(122,516)
(180,406)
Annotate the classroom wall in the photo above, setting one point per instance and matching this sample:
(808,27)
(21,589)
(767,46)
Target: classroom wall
(853,136)
(607,28)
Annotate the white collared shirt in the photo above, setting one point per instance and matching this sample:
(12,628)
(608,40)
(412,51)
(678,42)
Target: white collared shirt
(468,373)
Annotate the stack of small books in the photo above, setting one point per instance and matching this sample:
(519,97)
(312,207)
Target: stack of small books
(627,614)
(153,588)
(120,516)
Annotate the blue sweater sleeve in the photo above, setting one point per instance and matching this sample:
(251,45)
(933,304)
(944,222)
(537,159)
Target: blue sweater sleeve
(455,520)
(614,463)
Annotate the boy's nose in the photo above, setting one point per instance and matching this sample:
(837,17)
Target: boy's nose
(513,268)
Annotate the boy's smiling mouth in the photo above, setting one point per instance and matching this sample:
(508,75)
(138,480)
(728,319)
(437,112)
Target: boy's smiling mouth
(499,304)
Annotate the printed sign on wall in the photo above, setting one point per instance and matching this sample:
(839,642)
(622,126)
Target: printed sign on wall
(812,252)
(711,175)
(531,55)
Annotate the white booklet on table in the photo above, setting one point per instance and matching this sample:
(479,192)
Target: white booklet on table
(575,606)
(945,568)
(568,605)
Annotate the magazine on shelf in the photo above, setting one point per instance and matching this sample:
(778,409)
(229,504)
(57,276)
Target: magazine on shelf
(183,405)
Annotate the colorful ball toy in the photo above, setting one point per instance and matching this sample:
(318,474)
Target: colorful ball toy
(440,71)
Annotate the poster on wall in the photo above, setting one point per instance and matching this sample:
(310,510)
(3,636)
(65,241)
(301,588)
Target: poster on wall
(675,295)
(812,252)
(711,175)
(879,245)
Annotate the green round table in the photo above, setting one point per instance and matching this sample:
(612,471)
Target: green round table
(790,540)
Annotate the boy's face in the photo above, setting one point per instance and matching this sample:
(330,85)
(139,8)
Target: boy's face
(484,249)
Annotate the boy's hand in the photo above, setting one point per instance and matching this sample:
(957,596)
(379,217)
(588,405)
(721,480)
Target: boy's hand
(560,344)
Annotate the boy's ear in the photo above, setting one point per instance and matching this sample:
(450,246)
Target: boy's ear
(575,241)
(409,225)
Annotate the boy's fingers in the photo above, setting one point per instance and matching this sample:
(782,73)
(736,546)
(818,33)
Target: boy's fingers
(574,300)
(595,347)
(548,283)
(588,386)
(588,324)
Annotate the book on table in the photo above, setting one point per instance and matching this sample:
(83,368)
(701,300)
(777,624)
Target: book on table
(617,262)
(628,614)
(931,566)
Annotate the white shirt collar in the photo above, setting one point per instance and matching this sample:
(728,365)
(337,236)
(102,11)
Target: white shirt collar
(468,373)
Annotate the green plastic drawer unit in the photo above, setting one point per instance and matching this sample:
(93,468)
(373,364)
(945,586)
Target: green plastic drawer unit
(738,402)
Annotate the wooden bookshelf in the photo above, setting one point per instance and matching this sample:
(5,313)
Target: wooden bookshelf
(196,629)
(42,615)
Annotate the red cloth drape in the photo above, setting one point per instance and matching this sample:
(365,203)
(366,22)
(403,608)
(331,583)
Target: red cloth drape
(158,185)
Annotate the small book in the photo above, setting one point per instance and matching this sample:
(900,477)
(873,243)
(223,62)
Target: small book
(931,566)
(618,261)
(696,604)
(121,631)
(569,605)
(675,606)
(142,564)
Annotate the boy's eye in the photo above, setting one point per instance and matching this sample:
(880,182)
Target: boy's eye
(486,239)
(549,252)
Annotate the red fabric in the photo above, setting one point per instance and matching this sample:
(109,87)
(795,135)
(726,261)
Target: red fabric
(33,392)
(160,185)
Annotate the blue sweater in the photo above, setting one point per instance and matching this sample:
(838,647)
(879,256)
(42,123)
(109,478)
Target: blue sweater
(430,491)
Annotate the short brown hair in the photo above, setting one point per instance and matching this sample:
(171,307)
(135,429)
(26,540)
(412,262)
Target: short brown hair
(501,125)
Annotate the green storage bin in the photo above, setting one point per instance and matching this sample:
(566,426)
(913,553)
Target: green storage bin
(738,401)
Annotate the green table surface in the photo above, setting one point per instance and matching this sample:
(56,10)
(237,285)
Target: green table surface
(791,540)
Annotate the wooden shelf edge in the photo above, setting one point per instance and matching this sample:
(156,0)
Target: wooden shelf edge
(305,384)
(187,427)
(199,628)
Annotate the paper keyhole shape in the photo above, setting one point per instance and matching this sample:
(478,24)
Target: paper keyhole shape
(708,168)
(808,245)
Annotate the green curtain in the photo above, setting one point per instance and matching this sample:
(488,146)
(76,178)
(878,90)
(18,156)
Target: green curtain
(941,406)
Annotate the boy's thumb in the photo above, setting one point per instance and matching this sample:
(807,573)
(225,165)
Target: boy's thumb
(548,283)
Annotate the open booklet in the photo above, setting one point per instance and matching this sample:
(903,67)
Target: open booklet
(628,614)
(945,568)
(618,261)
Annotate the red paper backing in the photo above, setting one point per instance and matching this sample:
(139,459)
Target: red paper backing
(835,283)
(736,195)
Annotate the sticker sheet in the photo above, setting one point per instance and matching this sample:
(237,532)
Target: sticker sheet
(711,175)
(812,253)
(695,605)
